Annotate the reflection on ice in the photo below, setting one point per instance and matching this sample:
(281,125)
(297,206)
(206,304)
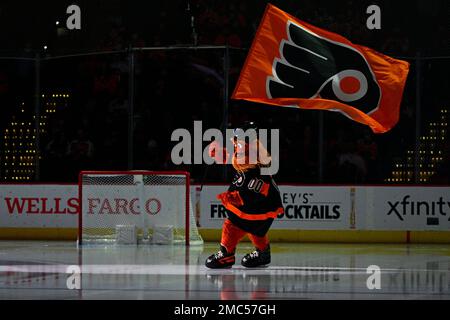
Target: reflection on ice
(36,270)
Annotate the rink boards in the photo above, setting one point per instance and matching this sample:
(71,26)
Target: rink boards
(312,213)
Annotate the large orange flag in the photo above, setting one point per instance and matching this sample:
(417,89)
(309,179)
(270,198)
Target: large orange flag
(292,63)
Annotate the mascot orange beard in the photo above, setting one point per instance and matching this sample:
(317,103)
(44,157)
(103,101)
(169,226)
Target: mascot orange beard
(246,156)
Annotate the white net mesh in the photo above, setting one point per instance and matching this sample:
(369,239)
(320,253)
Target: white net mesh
(136,207)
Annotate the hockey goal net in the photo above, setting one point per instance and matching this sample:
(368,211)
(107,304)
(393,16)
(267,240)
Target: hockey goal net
(133,207)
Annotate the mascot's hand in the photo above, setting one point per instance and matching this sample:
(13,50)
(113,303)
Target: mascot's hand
(218,153)
(231,197)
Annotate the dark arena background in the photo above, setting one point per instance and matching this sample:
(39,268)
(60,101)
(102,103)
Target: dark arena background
(91,93)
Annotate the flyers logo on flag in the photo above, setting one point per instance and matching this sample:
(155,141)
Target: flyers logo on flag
(292,63)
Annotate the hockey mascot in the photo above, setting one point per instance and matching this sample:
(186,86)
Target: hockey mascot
(252,202)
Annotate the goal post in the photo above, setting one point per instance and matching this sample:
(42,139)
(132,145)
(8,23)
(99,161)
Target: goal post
(135,207)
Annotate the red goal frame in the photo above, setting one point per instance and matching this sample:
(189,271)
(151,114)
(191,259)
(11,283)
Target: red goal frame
(186,174)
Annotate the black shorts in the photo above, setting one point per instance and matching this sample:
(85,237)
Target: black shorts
(256,227)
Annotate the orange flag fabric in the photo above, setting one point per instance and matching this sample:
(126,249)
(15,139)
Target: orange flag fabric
(292,63)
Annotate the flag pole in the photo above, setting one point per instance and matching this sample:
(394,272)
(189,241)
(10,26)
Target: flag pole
(224,124)
(192,24)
